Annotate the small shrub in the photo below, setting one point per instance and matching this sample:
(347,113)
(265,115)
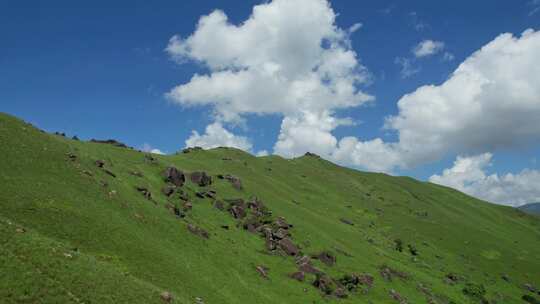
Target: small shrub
(475,291)
(398,245)
(412,249)
(530,299)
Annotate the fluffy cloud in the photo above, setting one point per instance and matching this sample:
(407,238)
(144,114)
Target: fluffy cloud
(308,130)
(407,67)
(491,101)
(217,136)
(288,55)
(288,58)
(148,148)
(468,175)
(262,153)
(448,56)
(373,155)
(427,48)
(417,22)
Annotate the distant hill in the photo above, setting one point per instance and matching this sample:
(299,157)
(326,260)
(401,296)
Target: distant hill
(98,222)
(533,208)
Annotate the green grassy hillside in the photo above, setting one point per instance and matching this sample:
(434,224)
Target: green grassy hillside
(70,232)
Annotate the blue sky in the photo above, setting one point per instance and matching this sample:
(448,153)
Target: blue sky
(99,70)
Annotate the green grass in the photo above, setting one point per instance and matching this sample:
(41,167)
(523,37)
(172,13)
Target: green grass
(85,243)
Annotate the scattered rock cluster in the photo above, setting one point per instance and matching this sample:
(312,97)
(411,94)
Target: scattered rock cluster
(309,154)
(235,181)
(145,192)
(175,180)
(397,297)
(201,178)
(113,142)
(198,231)
(255,217)
(174,176)
(388,273)
(192,149)
(326,257)
(101,164)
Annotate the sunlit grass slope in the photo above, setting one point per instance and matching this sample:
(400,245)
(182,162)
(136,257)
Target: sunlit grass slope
(72,233)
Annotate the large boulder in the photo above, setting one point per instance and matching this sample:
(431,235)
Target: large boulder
(299,276)
(168,190)
(530,287)
(235,181)
(201,178)
(397,297)
(219,205)
(174,176)
(257,207)
(340,293)
(282,223)
(366,279)
(166,297)
(144,191)
(238,212)
(346,221)
(288,247)
(187,206)
(309,268)
(198,231)
(263,271)
(109,172)
(324,283)
(389,273)
(326,258)
(211,194)
(270,244)
(237,208)
(280,233)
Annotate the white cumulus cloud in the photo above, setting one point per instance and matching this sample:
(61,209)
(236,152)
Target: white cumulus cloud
(427,48)
(287,55)
(408,68)
(448,56)
(262,153)
(491,101)
(287,58)
(217,136)
(148,148)
(469,175)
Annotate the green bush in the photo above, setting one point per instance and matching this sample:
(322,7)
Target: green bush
(475,291)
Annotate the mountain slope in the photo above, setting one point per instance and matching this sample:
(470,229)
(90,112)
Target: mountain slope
(533,208)
(71,232)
